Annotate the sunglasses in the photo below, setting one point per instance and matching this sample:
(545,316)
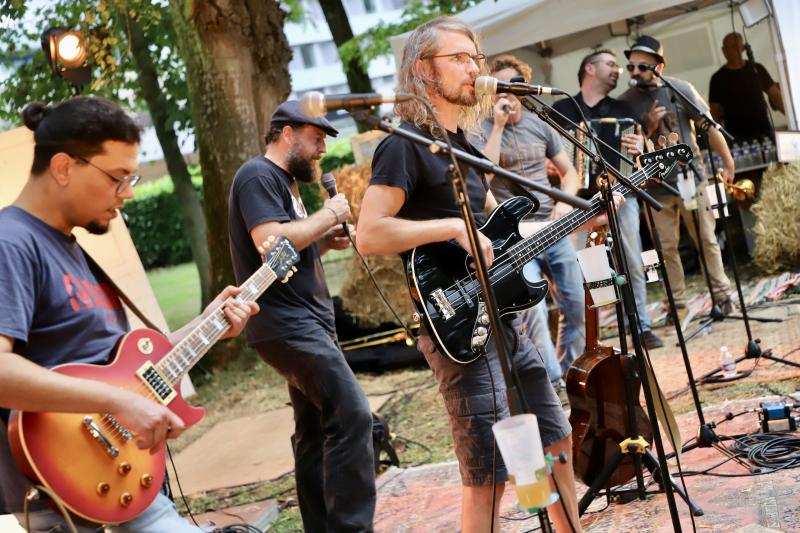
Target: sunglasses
(641,67)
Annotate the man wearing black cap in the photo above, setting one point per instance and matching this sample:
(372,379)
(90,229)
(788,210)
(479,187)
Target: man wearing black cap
(662,115)
(295,334)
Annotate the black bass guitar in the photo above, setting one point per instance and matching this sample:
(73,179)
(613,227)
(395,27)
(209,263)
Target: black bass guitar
(447,293)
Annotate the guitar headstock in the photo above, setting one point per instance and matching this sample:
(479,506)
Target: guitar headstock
(659,163)
(281,256)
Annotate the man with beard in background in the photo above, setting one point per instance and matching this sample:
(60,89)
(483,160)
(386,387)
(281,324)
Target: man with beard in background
(296,334)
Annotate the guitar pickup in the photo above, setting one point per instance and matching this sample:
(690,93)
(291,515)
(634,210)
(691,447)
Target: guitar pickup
(464,294)
(156,383)
(442,304)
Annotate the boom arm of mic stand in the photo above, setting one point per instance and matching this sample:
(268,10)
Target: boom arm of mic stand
(476,162)
(543,112)
(708,121)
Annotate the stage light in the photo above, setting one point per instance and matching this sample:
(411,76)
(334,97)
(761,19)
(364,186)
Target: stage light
(66,53)
(71,49)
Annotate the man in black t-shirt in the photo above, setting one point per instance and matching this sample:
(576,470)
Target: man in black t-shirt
(295,334)
(597,76)
(735,93)
(409,203)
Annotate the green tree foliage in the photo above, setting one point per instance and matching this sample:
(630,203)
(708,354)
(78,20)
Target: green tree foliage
(375,41)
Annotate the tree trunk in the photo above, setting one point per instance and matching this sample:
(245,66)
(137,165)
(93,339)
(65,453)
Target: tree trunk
(356,73)
(194,222)
(237,72)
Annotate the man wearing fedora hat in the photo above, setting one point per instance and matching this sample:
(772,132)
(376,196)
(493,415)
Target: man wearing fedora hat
(662,114)
(295,334)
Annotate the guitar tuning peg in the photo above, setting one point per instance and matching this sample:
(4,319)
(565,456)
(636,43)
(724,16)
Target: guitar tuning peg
(662,141)
(294,269)
(673,138)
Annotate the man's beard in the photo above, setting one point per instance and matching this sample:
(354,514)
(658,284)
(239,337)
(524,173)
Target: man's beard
(96,228)
(305,170)
(456,95)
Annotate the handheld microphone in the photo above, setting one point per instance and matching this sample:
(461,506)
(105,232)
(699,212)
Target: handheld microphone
(315,104)
(487,85)
(328,183)
(642,83)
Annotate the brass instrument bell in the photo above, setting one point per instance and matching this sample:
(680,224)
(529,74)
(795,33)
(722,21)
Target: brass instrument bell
(743,190)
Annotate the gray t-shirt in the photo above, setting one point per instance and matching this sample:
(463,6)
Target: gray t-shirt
(261,192)
(679,118)
(523,150)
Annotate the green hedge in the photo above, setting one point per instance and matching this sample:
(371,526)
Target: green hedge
(155,222)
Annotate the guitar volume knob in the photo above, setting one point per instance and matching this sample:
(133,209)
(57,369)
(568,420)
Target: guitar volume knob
(483,319)
(481,331)
(146,480)
(126,499)
(124,469)
(103,488)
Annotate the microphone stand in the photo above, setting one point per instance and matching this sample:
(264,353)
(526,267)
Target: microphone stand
(752,349)
(516,402)
(658,466)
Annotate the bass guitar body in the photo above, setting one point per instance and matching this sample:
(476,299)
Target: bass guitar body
(89,459)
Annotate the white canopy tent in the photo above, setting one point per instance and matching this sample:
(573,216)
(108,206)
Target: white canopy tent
(559,28)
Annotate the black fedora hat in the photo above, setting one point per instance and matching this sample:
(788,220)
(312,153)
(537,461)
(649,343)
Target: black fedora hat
(649,45)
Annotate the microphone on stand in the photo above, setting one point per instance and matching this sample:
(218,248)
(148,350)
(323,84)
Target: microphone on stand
(315,104)
(642,83)
(328,182)
(487,85)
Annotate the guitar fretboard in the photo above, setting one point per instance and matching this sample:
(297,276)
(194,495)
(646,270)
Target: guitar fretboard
(524,251)
(194,346)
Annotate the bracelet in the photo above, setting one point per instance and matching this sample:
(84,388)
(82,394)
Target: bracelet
(334,213)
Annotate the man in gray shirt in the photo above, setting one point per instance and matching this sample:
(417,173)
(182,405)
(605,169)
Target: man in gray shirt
(655,107)
(521,142)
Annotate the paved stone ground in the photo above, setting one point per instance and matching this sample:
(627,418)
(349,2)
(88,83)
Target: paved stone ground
(427,499)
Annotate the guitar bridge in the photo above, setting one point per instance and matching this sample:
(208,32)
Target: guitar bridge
(156,383)
(97,435)
(442,304)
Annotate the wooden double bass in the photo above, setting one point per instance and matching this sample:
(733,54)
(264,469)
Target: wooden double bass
(600,416)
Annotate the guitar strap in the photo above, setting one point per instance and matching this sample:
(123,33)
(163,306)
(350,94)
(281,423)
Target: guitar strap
(121,295)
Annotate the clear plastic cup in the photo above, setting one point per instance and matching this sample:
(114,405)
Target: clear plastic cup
(521,447)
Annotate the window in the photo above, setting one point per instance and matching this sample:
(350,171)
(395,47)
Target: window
(369,6)
(307,54)
(329,52)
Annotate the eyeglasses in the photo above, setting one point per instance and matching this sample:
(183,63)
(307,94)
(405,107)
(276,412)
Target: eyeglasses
(121,182)
(642,67)
(462,57)
(613,65)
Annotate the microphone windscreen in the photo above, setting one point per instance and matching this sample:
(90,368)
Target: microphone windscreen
(328,182)
(485,85)
(312,104)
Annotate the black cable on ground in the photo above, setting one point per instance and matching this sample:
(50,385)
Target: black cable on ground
(180,489)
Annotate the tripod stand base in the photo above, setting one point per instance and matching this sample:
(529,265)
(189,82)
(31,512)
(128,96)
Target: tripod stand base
(651,463)
(752,351)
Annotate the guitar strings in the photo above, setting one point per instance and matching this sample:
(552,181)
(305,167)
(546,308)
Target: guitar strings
(260,281)
(526,250)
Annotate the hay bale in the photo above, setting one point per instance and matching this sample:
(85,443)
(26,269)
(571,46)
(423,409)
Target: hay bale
(358,294)
(777,212)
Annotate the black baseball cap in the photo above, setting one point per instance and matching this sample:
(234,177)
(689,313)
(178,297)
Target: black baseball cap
(649,45)
(289,113)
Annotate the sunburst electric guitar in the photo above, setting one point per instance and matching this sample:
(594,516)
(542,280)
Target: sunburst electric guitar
(447,293)
(90,460)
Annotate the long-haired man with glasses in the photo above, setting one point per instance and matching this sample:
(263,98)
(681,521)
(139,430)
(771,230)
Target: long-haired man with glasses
(662,114)
(409,203)
(55,307)
(597,76)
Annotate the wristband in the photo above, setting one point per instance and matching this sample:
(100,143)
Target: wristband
(334,213)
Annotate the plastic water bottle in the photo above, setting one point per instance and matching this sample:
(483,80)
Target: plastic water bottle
(727,363)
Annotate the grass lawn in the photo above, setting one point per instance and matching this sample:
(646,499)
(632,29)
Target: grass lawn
(178,293)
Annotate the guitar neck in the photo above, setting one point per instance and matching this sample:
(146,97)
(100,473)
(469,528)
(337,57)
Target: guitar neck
(199,341)
(525,250)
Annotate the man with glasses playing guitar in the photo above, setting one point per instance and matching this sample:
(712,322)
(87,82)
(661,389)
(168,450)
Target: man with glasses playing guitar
(58,309)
